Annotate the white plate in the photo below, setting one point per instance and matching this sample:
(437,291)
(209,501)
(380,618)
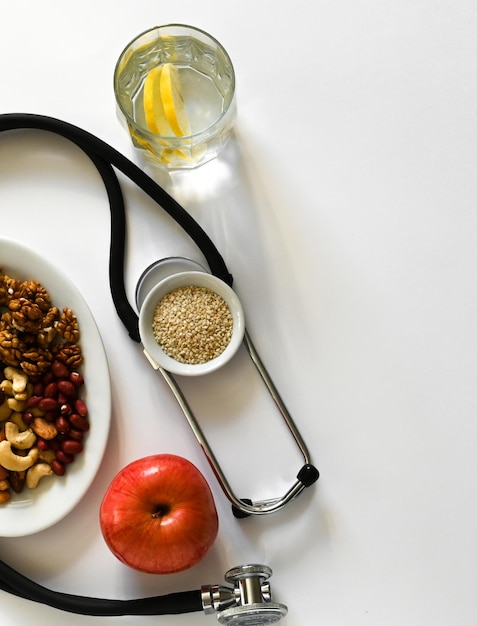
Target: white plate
(34,510)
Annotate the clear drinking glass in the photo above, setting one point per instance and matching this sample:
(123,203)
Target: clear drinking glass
(208,86)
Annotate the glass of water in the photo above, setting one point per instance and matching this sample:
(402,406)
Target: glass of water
(207,86)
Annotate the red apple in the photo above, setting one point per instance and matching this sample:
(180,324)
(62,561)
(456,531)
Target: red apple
(158,515)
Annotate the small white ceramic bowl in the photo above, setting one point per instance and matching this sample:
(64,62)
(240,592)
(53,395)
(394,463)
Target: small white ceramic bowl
(185,279)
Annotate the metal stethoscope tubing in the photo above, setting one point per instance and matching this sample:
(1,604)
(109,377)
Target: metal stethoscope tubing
(307,475)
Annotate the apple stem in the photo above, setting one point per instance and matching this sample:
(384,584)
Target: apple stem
(161,511)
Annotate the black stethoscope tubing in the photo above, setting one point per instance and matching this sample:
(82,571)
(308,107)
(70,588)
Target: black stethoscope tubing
(16,584)
(104,157)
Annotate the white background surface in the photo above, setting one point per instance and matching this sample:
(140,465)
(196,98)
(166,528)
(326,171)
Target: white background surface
(346,210)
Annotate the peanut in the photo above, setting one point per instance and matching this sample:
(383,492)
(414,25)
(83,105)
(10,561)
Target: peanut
(77,379)
(51,390)
(70,446)
(67,388)
(42,445)
(48,404)
(81,407)
(76,434)
(60,370)
(57,467)
(62,425)
(79,422)
(64,457)
(33,401)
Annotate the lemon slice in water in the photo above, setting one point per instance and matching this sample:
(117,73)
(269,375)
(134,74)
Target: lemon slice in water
(164,103)
(173,100)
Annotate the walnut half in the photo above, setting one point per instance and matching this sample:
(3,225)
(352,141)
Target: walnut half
(67,326)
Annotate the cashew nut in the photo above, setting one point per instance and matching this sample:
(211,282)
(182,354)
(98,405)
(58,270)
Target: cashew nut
(36,473)
(15,462)
(4,485)
(17,418)
(47,456)
(7,387)
(4,496)
(42,428)
(19,379)
(16,405)
(20,440)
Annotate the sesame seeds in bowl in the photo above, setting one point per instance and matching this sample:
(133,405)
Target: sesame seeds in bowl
(191,323)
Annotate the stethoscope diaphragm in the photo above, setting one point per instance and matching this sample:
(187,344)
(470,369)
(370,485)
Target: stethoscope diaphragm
(157,271)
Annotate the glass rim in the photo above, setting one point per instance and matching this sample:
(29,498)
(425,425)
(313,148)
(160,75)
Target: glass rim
(173,139)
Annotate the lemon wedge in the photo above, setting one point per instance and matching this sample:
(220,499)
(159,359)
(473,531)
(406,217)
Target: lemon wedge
(153,109)
(173,100)
(164,106)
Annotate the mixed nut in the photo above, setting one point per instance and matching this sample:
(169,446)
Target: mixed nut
(43,418)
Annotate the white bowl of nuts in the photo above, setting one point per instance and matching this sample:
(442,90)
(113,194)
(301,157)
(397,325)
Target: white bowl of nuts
(191,323)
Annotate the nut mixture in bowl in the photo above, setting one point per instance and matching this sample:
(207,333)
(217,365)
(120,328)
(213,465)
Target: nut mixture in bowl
(43,418)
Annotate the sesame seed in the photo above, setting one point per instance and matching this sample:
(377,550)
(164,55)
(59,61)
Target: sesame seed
(192,324)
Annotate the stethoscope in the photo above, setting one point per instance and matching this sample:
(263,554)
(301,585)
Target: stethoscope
(248,601)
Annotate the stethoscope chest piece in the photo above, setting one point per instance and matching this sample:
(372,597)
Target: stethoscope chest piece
(248,601)
(253,615)
(157,271)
